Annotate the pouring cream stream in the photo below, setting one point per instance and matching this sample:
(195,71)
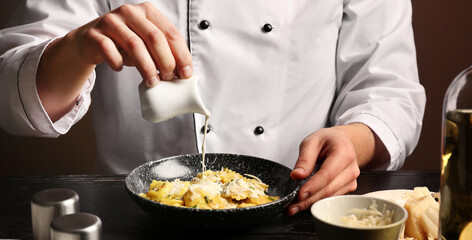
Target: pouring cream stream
(171,98)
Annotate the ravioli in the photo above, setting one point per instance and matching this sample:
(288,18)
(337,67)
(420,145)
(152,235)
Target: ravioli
(211,190)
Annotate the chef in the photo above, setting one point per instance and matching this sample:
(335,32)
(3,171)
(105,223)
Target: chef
(327,82)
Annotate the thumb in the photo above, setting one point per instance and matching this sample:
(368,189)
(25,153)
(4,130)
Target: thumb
(307,157)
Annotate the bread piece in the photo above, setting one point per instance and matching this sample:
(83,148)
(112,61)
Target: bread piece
(430,220)
(416,206)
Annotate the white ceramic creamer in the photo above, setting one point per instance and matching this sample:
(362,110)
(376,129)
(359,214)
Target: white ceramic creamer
(171,98)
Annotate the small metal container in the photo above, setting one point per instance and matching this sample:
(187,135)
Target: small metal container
(49,204)
(77,226)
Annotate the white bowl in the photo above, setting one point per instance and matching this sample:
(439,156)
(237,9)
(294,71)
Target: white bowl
(328,215)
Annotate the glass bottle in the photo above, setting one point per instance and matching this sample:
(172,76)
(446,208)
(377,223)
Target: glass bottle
(456,169)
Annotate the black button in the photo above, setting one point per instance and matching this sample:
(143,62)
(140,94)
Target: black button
(267,27)
(204,24)
(202,130)
(259,130)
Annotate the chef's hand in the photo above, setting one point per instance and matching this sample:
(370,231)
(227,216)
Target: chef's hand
(136,35)
(132,35)
(343,149)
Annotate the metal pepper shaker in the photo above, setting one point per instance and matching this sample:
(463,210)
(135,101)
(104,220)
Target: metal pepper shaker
(48,204)
(77,226)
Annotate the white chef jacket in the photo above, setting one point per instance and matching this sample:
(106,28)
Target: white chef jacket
(324,63)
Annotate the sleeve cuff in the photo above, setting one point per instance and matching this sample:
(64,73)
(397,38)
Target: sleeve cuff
(31,102)
(385,134)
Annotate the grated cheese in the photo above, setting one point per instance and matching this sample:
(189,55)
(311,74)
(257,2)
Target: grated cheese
(370,217)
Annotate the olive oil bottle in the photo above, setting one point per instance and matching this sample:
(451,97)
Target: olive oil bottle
(456,172)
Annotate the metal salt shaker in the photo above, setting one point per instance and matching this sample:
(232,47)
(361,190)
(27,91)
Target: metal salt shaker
(47,205)
(77,226)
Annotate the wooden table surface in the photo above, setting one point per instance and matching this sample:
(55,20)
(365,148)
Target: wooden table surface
(106,197)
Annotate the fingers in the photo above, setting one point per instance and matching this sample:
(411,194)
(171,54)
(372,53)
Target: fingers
(308,155)
(345,182)
(114,27)
(153,38)
(164,41)
(338,173)
(106,50)
(327,182)
(175,40)
(138,35)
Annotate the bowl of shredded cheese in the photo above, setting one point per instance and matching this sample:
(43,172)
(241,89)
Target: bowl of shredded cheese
(358,217)
(229,190)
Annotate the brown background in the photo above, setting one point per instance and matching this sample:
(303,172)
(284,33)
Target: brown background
(443,33)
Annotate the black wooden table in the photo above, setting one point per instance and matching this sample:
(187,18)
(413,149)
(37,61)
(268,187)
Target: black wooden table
(106,197)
